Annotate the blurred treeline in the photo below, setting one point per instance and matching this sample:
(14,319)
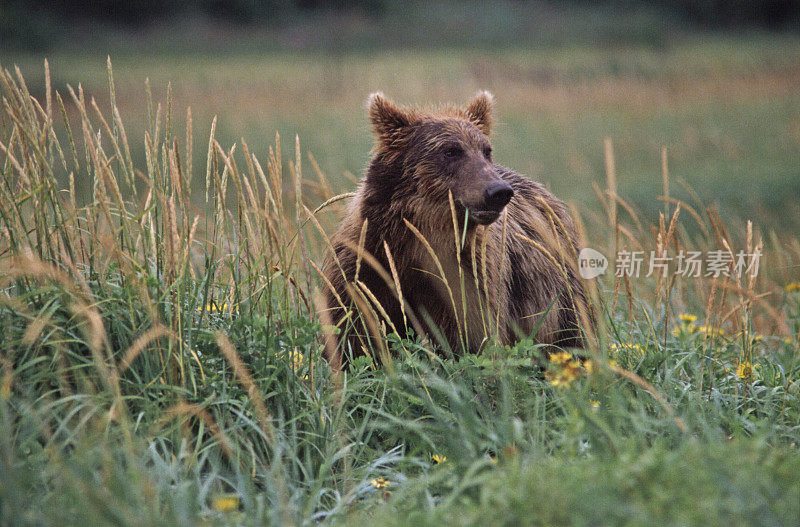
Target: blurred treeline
(45,24)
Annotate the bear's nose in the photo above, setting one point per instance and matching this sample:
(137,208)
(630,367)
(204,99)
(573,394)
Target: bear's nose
(497,195)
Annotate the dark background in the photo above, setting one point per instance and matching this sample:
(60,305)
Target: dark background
(33,24)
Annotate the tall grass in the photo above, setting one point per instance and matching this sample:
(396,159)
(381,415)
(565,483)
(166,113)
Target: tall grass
(161,360)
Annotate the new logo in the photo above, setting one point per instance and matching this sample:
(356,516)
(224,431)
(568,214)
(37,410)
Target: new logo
(591,263)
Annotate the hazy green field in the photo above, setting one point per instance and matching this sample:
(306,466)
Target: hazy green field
(727,109)
(161,355)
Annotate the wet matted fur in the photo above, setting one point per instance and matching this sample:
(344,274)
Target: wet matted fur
(512,272)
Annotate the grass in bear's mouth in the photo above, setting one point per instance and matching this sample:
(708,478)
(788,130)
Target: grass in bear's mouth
(480,217)
(161,362)
(484,217)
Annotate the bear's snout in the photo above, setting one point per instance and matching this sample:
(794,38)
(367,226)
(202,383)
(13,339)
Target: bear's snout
(497,195)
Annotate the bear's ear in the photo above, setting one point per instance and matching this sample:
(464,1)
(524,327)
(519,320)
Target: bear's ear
(479,111)
(386,117)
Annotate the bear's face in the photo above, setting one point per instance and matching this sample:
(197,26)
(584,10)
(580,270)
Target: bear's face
(445,152)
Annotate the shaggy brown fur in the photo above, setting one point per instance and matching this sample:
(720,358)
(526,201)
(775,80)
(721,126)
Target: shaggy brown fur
(423,159)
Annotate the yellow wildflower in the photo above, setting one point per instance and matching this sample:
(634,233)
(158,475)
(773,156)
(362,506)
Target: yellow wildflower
(595,404)
(687,317)
(714,332)
(438,459)
(636,348)
(564,377)
(745,370)
(225,503)
(297,360)
(794,286)
(684,329)
(560,379)
(213,307)
(380,483)
(562,357)
(590,366)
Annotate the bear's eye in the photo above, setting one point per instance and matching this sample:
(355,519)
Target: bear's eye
(453,152)
(487,153)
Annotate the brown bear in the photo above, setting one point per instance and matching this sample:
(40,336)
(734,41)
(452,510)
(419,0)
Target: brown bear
(442,239)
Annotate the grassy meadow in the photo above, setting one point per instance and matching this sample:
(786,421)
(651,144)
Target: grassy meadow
(161,357)
(727,109)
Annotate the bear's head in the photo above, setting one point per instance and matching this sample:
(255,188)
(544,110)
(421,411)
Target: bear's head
(438,152)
